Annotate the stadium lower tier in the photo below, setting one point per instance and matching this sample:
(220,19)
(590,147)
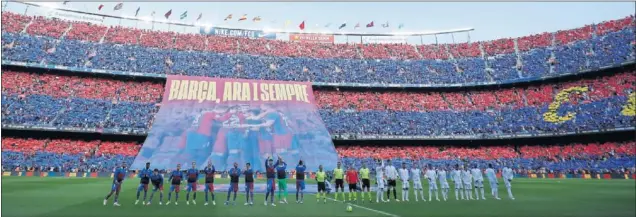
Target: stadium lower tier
(610,49)
(560,116)
(103,156)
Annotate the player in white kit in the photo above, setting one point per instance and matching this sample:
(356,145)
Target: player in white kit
(391,176)
(456,175)
(478,179)
(508,174)
(379,180)
(404,177)
(492,179)
(443,183)
(468,179)
(431,175)
(417,182)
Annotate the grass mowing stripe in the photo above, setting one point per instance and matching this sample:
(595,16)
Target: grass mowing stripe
(49,198)
(367,208)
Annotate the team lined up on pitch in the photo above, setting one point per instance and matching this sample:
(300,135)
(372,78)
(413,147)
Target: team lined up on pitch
(465,181)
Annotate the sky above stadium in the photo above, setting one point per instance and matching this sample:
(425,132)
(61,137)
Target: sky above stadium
(491,20)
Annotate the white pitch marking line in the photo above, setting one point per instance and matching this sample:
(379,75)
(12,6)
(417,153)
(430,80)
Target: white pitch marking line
(367,208)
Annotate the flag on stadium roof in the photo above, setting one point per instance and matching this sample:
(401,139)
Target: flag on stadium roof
(302,25)
(287,22)
(229,17)
(100,7)
(118,6)
(385,25)
(244,17)
(184,15)
(64,3)
(152,14)
(343,25)
(257,19)
(401,26)
(327,25)
(200,15)
(137,12)
(357,26)
(370,24)
(167,15)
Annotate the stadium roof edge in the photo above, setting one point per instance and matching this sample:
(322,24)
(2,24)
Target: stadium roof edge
(423,33)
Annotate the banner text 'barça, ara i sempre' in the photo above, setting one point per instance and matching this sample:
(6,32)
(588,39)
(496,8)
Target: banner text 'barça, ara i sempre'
(225,121)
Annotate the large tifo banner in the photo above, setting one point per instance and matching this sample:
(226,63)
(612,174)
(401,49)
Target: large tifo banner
(226,121)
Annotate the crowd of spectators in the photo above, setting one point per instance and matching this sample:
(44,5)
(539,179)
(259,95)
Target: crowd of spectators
(127,49)
(63,86)
(84,31)
(552,153)
(71,101)
(571,158)
(79,155)
(12,22)
(43,26)
(66,155)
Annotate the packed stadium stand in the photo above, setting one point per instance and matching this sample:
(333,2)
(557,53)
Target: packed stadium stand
(603,102)
(77,155)
(76,44)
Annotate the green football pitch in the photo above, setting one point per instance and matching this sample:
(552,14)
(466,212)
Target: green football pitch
(81,197)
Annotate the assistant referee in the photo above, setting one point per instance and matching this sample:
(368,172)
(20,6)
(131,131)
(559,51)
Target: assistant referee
(338,174)
(320,179)
(366,183)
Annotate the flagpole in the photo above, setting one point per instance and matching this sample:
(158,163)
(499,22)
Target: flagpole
(468,33)
(453,37)
(436,40)
(421,39)
(26,9)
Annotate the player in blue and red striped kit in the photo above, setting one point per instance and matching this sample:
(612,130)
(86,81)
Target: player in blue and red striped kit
(201,139)
(118,179)
(229,140)
(282,136)
(234,173)
(193,175)
(300,181)
(144,174)
(249,184)
(175,181)
(157,183)
(209,182)
(270,169)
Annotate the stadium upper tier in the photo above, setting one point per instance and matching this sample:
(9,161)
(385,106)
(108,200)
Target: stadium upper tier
(604,103)
(75,44)
(103,156)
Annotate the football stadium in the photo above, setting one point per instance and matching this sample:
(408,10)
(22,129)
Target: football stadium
(121,109)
